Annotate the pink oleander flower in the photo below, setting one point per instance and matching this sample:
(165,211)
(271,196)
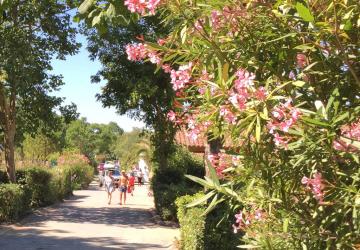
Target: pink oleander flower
(213,158)
(236,160)
(351,132)
(136,51)
(142,6)
(278,113)
(215,19)
(198,24)
(292,75)
(239,101)
(207,124)
(171,115)
(258,214)
(138,6)
(228,115)
(202,90)
(166,68)
(244,79)
(161,41)
(194,133)
(205,75)
(154,58)
(315,185)
(280,141)
(301,60)
(261,94)
(181,77)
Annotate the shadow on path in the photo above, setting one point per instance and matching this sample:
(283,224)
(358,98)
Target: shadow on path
(34,240)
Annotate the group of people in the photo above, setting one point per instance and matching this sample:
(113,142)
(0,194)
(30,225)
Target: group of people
(125,184)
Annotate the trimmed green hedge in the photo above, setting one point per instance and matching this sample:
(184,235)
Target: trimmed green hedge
(192,224)
(38,187)
(205,232)
(13,202)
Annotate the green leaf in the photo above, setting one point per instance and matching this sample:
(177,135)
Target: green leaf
(285,225)
(213,175)
(111,11)
(315,122)
(85,6)
(248,246)
(201,199)
(200,181)
(304,47)
(304,12)
(215,201)
(258,129)
(96,20)
(298,83)
(183,34)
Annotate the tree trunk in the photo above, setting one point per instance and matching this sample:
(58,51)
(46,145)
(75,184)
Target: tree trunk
(7,122)
(10,155)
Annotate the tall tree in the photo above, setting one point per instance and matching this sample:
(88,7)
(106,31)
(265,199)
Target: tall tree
(31,33)
(131,87)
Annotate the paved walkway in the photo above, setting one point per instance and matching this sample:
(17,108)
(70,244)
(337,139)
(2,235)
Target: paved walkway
(87,222)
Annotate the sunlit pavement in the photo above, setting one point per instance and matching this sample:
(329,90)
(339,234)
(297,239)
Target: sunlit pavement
(86,221)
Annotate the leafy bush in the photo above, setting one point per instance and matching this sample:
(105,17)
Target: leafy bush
(12,202)
(61,183)
(81,175)
(36,181)
(206,232)
(192,224)
(170,183)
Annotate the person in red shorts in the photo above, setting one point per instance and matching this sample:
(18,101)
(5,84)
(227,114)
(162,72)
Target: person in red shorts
(132,184)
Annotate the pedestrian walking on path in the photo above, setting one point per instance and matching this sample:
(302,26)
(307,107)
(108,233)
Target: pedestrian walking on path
(132,184)
(140,177)
(123,183)
(109,186)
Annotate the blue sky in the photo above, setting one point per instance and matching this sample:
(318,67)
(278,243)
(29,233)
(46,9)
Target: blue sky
(78,89)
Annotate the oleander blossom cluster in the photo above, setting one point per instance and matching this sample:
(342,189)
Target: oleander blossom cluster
(181,77)
(225,18)
(284,116)
(243,220)
(142,6)
(351,132)
(221,162)
(315,185)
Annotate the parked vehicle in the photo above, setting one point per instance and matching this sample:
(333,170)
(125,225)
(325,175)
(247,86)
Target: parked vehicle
(104,170)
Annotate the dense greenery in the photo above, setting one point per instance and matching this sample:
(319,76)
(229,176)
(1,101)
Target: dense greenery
(136,89)
(38,186)
(279,81)
(204,231)
(32,33)
(169,183)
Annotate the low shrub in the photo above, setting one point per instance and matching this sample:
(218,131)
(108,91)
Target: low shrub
(81,176)
(36,181)
(192,224)
(200,232)
(12,202)
(61,183)
(38,187)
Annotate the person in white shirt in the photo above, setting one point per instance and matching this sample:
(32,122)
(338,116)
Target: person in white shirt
(109,185)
